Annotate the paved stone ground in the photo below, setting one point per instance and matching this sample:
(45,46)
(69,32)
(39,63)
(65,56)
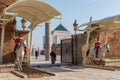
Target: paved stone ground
(66,72)
(71,72)
(8,76)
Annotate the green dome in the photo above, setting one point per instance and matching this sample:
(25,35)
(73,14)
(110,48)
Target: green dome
(60,27)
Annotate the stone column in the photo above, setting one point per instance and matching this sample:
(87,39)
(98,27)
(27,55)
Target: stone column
(31,37)
(47,41)
(87,41)
(87,45)
(2,43)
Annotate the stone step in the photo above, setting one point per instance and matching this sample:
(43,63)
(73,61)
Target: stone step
(111,61)
(6,67)
(114,63)
(97,62)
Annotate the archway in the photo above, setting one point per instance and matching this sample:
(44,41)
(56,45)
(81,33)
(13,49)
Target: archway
(108,25)
(34,11)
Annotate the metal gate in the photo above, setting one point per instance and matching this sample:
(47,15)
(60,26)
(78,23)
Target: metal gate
(66,50)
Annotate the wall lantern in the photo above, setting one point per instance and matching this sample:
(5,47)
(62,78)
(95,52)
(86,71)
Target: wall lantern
(23,22)
(75,25)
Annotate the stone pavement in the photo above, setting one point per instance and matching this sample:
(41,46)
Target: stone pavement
(66,72)
(72,72)
(10,76)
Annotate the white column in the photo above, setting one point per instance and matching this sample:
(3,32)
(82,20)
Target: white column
(87,44)
(47,41)
(2,43)
(106,36)
(30,50)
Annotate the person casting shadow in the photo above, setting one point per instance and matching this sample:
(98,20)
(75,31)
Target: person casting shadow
(53,57)
(36,54)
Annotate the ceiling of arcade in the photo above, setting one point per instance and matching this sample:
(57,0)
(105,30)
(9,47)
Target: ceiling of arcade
(106,24)
(37,12)
(33,10)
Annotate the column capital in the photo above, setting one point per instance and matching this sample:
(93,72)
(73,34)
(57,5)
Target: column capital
(48,22)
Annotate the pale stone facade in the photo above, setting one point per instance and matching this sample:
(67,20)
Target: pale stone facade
(57,36)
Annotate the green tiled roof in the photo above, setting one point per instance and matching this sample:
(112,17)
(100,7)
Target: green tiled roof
(60,27)
(58,45)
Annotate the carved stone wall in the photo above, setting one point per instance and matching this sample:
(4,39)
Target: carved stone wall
(8,37)
(79,44)
(114,42)
(5,3)
(8,47)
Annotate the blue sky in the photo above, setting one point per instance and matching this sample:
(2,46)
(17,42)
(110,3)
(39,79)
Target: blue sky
(81,10)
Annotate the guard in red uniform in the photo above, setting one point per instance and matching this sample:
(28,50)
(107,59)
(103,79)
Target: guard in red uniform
(97,46)
(17,42)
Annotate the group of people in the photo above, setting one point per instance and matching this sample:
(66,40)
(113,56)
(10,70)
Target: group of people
(52,54)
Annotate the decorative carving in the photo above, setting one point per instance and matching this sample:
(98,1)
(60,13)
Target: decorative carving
(5,3)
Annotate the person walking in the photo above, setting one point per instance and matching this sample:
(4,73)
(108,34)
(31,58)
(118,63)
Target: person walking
(53,57)
(36,54)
